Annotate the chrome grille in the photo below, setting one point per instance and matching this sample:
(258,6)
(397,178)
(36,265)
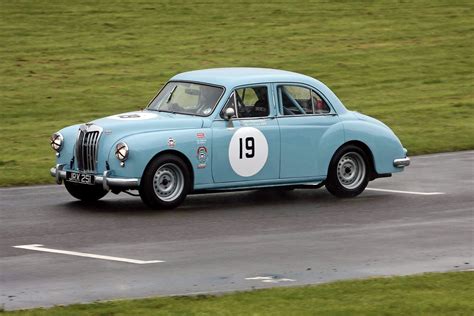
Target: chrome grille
(87,145)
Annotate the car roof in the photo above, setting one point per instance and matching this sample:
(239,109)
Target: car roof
(237,76)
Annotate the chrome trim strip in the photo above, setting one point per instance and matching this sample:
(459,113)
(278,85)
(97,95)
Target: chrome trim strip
(263,186)
(105,180)
(401,162)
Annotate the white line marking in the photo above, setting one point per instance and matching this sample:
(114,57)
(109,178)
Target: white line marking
(269,279)
(405,192)
(37,247)
(259,278)
(278,280)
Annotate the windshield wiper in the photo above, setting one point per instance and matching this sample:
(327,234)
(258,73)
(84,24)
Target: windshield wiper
(172,112)
(171,94)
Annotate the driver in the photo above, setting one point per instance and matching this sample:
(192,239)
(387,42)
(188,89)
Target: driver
(260,107)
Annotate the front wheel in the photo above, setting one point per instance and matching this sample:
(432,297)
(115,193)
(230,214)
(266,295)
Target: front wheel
(348,172)
(84,192)
(165,182)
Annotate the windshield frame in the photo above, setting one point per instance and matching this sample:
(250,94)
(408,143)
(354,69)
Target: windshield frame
(193,82)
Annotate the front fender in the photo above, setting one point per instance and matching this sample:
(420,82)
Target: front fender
(67,152)
(145,146)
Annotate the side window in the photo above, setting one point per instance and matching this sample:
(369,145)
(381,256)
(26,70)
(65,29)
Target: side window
(249,102)
(295,100)
(252,102)
(319,104)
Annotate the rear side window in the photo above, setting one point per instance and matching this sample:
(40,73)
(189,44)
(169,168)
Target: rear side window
(320,106)
(296,100)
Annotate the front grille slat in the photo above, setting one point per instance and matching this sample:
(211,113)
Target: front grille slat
(89,151)
(96,148)
(87,148)
(93,151)
(85,152)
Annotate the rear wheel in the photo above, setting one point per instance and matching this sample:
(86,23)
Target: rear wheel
(348,173)
(165,182)
(83,192)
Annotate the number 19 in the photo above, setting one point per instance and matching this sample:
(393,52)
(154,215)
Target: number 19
(249,147)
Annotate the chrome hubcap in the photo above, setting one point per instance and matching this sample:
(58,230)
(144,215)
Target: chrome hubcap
(168,182)
(351,170)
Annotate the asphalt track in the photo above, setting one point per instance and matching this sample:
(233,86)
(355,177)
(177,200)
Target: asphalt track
(235,241)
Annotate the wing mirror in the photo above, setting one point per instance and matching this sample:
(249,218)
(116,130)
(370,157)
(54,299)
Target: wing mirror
(229,114)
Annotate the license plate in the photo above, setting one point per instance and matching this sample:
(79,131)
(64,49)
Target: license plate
(80,178)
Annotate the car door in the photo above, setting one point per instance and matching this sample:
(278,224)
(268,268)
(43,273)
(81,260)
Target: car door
(247,147)
(305,116)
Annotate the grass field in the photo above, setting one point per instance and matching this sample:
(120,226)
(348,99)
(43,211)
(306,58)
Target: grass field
(427,294)
(408,63)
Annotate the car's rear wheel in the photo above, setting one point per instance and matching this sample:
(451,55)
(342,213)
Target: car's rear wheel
(165,182)
(348,173)
(83,192)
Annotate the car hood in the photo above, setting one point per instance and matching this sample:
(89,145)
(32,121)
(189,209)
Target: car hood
(130,123)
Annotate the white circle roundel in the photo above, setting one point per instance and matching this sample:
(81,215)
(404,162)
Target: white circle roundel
(134,116)
(248,151)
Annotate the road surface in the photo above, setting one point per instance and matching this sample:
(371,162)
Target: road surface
(417,221)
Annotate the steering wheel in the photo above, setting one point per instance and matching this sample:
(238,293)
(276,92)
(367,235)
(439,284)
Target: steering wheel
(203,108)
(241,108)
(174,107)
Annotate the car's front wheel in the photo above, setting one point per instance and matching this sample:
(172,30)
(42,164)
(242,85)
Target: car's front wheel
(86,193)
(348,173)
(165,182)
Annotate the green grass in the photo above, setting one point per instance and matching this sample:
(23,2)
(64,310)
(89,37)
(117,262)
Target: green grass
(427,294)
(408,63)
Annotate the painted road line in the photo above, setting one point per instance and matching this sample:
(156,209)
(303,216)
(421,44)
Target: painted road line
(405,192)
(270,279)
(259,278)
(278,280)
(38,247)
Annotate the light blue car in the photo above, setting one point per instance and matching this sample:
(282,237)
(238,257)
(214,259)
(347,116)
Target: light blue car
(228,129)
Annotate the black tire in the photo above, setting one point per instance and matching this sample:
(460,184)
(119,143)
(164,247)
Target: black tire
(86,193)
(348,173)
(165,182)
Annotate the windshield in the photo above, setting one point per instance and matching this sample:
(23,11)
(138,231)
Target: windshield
(187,98)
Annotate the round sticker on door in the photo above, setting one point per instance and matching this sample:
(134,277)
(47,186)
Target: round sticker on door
(248,151)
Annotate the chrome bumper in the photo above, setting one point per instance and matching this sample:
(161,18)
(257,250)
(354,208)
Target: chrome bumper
(105,180)
(401,162)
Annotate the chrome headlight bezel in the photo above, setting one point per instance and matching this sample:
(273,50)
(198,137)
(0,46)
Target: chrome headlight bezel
(56,141)
(121,151)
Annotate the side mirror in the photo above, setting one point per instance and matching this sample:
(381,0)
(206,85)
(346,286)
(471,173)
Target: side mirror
(229,114)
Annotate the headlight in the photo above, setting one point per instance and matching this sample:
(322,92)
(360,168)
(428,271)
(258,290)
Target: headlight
(57,141)
(121,151)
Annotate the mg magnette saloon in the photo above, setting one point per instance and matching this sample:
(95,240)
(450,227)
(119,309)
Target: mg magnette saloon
(228,129)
